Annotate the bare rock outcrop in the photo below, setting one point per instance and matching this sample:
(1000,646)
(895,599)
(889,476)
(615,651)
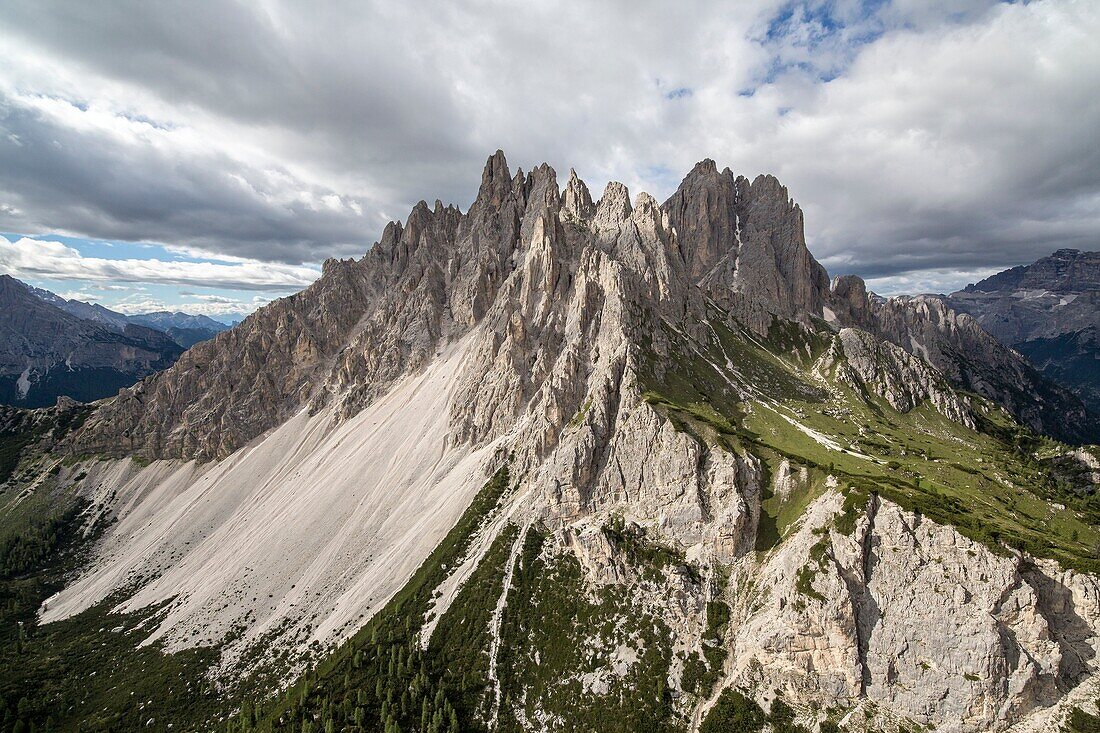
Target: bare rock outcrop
(744,244)
(957,346)
(864,362)
(911,616)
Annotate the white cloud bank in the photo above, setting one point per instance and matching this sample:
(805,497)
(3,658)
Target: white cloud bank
(28,258)
(194,306)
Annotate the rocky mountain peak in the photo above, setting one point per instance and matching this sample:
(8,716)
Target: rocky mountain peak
(496,181)
(1064,271)
(850,302)
(577,201)
(704,168)
(13,292)
(540,190)
(960,347)
(744,244)
(614,207)
(430,281)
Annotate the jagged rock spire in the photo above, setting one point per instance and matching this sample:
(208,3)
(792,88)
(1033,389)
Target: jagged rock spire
(432,278)
(614,206)
(744,244)
(704,210)
(849,301)
(578,201)
(496,181)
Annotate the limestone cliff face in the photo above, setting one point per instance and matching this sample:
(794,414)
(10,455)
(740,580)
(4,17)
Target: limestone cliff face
(908,615)
(567,310)
(559,371)
(898,619)
(902,379)
(365,323)
(744,244)
(245,381)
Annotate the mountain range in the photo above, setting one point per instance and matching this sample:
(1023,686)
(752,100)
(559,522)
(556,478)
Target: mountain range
(46,352)
(184,328)
(1048,311)
(52,347)
(559,463)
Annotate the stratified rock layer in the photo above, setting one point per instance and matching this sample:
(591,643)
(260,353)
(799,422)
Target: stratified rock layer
(1049,311)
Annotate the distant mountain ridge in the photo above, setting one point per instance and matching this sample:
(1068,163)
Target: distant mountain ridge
(1064,271)
(189,328)
(82,309)
(1071,359)
(166,320)
(47,352)
(54,346)
(1049,311)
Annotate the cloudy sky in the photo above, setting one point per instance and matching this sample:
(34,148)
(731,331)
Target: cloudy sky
(209,155)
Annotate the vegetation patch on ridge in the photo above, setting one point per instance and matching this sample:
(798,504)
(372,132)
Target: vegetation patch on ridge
(995,484)
(580,658)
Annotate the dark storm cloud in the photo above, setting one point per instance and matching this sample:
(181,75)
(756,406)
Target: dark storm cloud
(919,136)
(95,184)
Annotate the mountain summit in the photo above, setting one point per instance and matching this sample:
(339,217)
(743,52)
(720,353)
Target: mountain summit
(566,463)
(719,240)
(1066,271)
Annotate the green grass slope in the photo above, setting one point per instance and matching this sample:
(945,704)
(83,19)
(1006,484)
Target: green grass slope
(995,484)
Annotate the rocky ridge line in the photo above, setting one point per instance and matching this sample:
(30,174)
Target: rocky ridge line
(366,322)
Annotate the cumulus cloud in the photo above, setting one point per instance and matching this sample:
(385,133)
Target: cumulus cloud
(920,136)
(85,295)
(969,147)
(200,306)
(28,258)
